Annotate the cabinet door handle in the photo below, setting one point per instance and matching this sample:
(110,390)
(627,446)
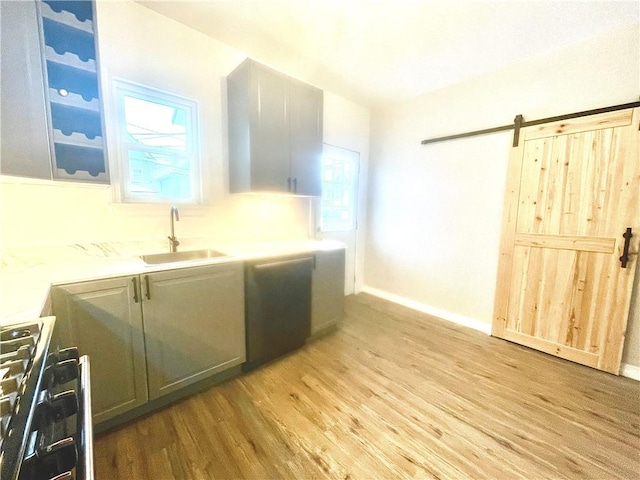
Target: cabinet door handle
(146,283)
(136,298)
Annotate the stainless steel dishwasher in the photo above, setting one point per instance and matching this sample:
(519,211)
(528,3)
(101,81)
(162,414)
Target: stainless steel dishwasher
(277,306)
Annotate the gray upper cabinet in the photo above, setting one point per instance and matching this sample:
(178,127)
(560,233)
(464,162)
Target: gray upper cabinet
(275,132)
(193,324)
(51,108)
(24,145)
(269,130)
(104,321)
(306,138)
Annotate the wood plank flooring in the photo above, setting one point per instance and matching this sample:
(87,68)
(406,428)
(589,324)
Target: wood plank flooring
(393,393)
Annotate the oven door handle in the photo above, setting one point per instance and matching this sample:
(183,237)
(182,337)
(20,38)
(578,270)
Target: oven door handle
(85,469)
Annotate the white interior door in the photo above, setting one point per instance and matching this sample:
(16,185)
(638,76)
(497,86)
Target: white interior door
(338,206)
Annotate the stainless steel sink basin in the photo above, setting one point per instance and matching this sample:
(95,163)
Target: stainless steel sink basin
(188,256)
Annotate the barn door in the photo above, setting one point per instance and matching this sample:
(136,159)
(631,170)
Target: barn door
(573,188)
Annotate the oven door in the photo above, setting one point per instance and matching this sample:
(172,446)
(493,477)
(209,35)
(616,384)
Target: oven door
(61,440)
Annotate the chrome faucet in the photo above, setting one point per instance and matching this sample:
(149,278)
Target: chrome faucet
(173,241)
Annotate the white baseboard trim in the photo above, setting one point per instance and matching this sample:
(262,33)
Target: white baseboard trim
(630,371)
(430,310)
(626,370)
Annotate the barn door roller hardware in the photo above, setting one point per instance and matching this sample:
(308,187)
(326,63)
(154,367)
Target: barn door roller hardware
(519,123)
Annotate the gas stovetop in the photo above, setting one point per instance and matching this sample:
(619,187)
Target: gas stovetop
(45,406)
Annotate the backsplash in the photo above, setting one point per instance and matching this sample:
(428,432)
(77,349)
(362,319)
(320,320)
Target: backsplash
(50,214)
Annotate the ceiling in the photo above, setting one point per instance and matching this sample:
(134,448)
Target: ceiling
(381,51)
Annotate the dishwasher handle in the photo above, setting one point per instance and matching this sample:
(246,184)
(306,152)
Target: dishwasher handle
(282,263)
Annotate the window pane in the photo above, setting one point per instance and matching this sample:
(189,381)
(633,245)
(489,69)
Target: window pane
(158,135)
(158,175)
(154,124)
(338,189)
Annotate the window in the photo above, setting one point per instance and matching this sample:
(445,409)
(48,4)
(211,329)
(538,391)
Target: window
(157,145)
(339,187)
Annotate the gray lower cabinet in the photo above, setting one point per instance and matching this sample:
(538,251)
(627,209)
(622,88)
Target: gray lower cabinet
(102,319)
(193,325)
(149,335)
(327,290)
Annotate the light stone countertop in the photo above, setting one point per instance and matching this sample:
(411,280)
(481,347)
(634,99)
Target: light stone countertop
(26,275)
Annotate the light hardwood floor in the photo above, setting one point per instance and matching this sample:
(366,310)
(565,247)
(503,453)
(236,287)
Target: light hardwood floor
(392,394)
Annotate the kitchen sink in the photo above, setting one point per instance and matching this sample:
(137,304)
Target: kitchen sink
(187,256)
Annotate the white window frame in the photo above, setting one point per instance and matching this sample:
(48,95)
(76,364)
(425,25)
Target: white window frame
(122,88)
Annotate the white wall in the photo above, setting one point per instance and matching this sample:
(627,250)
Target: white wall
(346,125)
(140,45)
(434,211)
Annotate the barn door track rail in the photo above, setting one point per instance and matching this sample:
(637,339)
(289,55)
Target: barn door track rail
(519,123)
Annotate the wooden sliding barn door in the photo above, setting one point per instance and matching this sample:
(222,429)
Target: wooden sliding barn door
(573,188)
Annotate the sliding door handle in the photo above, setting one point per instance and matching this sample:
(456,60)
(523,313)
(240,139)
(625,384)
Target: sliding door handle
(625,250)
